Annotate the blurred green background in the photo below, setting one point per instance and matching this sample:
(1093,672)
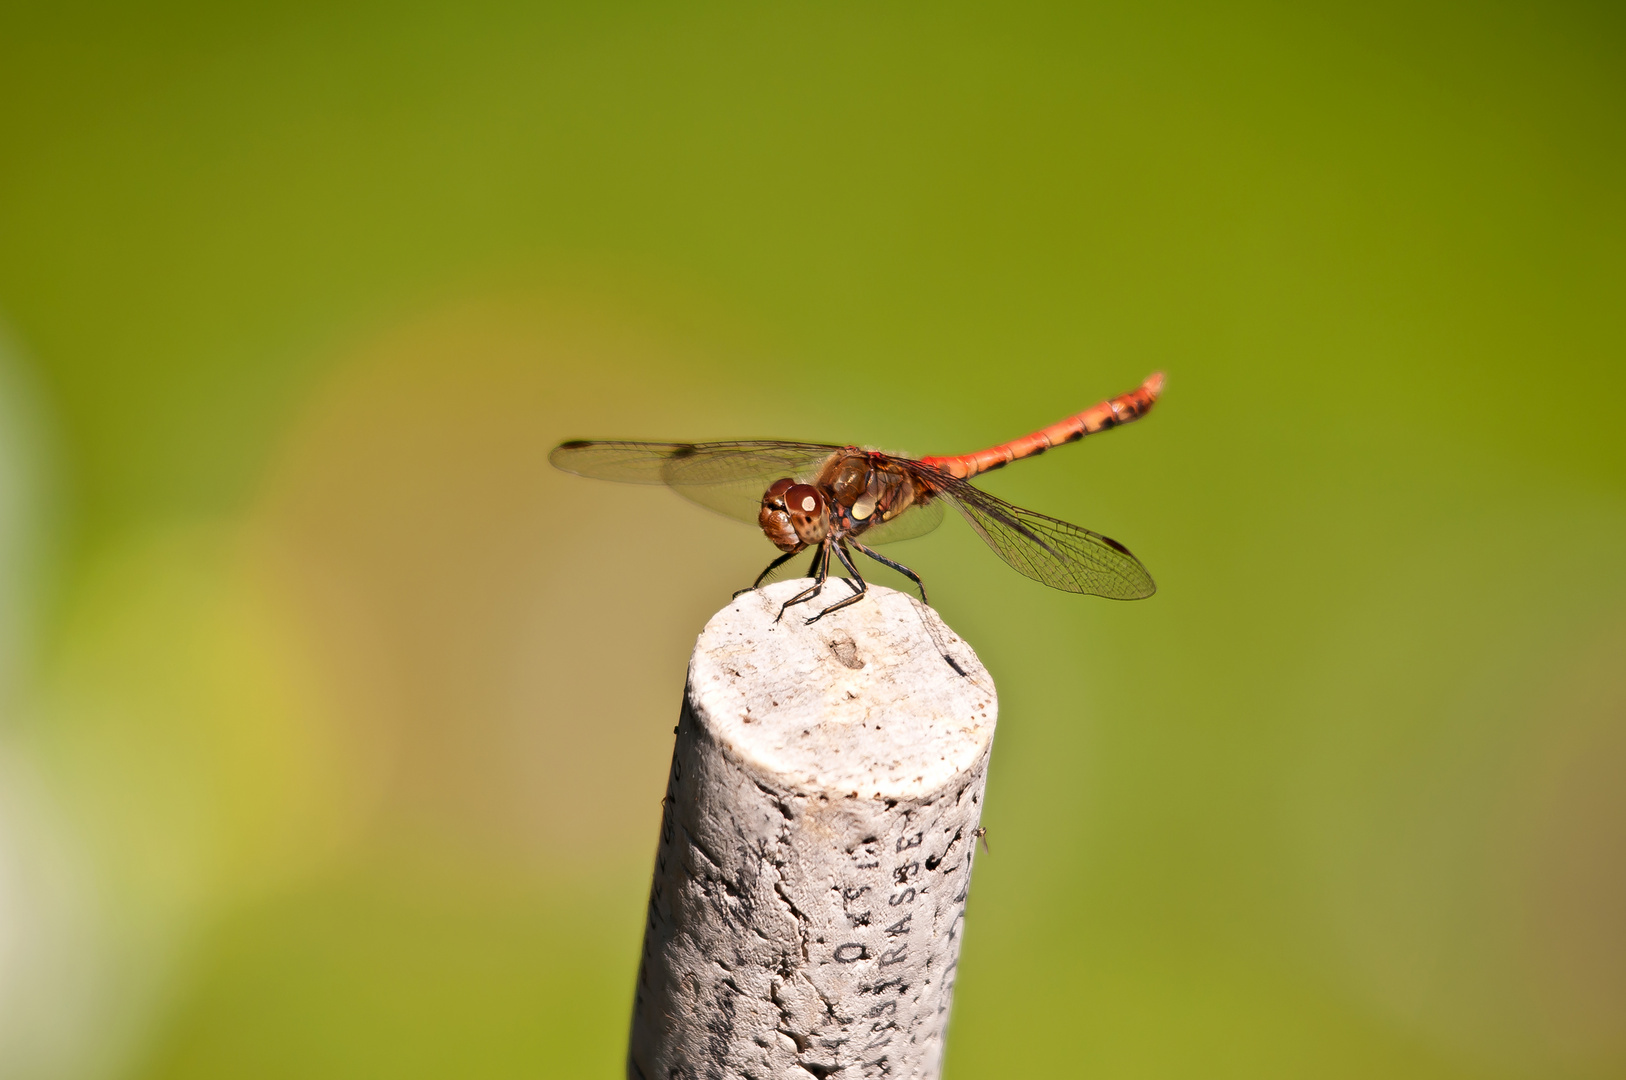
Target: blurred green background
(335,723)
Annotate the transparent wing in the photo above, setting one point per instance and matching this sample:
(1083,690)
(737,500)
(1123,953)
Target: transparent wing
(728,477)
(688,463)
(916,521)
(1046,549)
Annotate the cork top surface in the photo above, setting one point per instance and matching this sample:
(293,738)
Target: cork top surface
(863,703)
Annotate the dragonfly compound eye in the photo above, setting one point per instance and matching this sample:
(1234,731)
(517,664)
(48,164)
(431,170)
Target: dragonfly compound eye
(803,499)
(774,497)
(804,514)
(774,517)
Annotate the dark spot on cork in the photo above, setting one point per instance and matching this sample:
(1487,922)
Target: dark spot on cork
(846,651)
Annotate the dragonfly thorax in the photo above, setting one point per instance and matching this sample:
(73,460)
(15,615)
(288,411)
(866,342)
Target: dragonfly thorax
(865,489)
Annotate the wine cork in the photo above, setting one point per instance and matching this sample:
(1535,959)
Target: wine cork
(816,847)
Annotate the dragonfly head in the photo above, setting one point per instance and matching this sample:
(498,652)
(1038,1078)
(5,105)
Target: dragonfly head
(794,515)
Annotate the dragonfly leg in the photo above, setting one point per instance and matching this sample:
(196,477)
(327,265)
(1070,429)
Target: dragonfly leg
(819,571)
(858,590)
(776,564)
(813,571)
(899,567)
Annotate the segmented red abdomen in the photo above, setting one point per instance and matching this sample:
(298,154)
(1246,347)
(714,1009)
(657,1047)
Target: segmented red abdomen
(1099,417)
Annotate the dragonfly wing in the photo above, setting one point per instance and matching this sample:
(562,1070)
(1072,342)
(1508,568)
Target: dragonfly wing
(1052,551)
(728,477)
(918,520)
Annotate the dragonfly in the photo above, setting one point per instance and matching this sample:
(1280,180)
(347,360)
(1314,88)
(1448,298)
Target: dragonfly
(835,500)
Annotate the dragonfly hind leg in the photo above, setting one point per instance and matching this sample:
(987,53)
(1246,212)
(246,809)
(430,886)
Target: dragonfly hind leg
(899,567)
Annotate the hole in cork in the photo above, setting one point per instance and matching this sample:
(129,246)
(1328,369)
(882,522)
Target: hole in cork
(845,650)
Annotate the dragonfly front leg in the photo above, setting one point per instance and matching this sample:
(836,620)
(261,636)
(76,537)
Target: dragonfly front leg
(776,564)
(819,571)
(858,590)
(813,571)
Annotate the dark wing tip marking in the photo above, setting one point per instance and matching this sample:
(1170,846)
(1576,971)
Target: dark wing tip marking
(1115,544)
(574,444)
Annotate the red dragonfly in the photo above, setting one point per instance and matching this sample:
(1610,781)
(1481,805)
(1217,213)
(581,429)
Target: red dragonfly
(824,497)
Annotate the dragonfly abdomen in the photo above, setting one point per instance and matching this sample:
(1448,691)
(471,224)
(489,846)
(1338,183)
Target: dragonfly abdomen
(1098,417)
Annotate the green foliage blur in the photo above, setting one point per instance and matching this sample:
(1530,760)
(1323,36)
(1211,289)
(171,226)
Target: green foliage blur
(333,723)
